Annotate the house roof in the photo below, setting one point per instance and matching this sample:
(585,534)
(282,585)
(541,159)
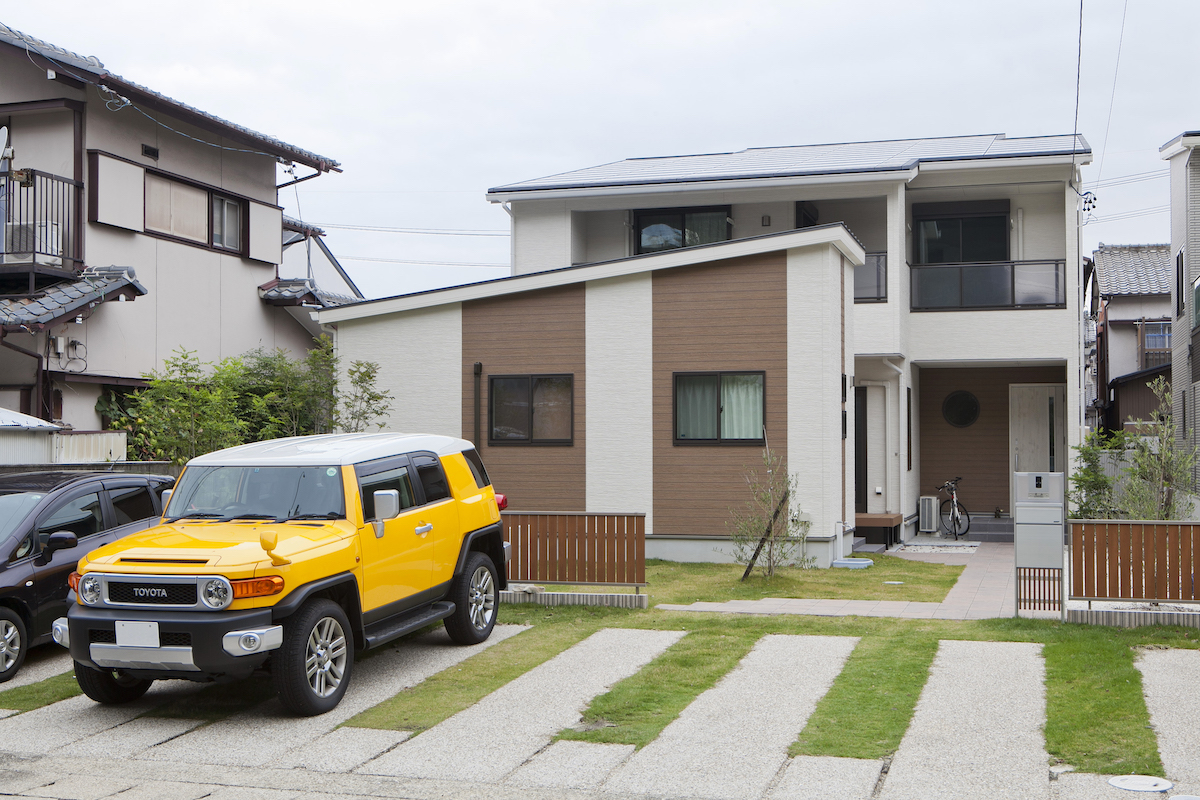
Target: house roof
(1133,269)
(801,161)
(94,285)
(89,69)
(15,420)
(297,291)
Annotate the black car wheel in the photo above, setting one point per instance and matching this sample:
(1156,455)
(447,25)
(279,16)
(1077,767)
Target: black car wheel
(474,597)
(312,669)
(12,643)
(110,687)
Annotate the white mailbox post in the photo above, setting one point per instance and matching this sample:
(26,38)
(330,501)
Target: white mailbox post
(1038,516)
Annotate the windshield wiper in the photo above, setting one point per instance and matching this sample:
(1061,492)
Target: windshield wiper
(196,515)
(314,516)
(271,517)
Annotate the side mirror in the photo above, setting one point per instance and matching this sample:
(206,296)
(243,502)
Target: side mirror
(166,498)
(59,540)
(387,506)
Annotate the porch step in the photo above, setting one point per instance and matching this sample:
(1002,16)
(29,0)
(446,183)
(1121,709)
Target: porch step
(863,547)
(991,529)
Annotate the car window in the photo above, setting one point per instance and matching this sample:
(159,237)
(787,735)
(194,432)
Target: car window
(397,479)
(131,503)
(81,516)
(477,469)
(26,548)
(433,479)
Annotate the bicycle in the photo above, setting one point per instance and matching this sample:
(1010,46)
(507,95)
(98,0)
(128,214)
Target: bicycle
(954,517)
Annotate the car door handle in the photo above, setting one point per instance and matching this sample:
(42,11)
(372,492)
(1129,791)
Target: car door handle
(421,530)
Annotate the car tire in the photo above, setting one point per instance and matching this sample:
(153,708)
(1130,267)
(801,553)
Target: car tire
(474,596)
(319,635)
(108,686)
(14,643)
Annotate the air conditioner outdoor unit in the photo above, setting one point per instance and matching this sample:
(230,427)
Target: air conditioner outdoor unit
(928,518)
(33,242)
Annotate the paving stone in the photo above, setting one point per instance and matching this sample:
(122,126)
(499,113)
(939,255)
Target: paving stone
(825,777)
(343,749)
(571,765)
(1169,681)
(486,742)
(977,729)
(248,793)
(131,738)
(16,781)
(166,790)
(79,787)
(8,712)
(732,740)
(41,663)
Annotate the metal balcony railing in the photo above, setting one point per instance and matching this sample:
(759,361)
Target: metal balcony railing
(989,285)
(41,217)
(870,279)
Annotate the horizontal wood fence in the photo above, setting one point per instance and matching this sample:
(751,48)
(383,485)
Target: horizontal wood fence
(576,548)
(1122,560)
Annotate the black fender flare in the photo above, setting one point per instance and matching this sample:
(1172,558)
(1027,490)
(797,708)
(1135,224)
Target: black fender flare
(490,540)
(298,596)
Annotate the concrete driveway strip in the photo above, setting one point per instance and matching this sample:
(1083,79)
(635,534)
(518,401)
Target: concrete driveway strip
(977,730)
(41,663)
(732,740)
(486,742)
(265,733)
(1169,683)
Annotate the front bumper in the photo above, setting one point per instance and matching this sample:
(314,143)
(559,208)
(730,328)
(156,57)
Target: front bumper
(186,644)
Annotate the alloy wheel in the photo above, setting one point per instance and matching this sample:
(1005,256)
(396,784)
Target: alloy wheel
(481,598)
(325,657)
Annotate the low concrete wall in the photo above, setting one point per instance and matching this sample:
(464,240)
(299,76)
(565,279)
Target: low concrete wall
(576,599)
(719,549)
(1134,619)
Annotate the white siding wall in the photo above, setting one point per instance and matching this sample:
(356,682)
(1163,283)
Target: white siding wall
(420,362)
(815,358)
(619,368)
(877,326)
(606,235)
(541,237)
(747,218)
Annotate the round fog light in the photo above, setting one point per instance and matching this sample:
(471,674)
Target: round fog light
(249,642)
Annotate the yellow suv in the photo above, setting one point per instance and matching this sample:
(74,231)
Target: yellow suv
(290,556)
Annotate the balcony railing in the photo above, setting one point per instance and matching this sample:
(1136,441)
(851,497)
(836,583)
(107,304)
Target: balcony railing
(989,285)
(41,217)
(870,279)
(1155,358)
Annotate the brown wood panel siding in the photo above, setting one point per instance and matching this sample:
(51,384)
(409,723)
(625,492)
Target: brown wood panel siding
(730,315)
(980,452)
(528,333)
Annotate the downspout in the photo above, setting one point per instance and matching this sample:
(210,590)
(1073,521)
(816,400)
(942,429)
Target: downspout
(900,428)
(37,393)
(512,246)
(478,375)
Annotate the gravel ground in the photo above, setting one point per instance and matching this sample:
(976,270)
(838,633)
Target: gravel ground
(489,740)
(1169,682)
(733,739)
(977,729)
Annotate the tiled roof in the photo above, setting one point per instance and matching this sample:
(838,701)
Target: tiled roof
(68,298)
(803,160)
(89,69)
(300,226)
(1133,269)
(294,291)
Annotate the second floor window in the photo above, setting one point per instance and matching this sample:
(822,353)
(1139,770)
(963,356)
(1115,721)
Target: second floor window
(226,223)
(960,233)
(672,228)
(183,211)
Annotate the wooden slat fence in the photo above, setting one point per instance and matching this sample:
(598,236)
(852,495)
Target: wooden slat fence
(1123,560)
(576,548)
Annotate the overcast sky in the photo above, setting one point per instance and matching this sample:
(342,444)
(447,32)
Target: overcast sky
(429,104)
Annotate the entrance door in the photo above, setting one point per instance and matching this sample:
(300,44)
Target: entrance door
(860,449)
(1037,429)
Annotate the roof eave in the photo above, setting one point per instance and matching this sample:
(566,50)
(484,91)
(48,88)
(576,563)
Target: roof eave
(1184,141)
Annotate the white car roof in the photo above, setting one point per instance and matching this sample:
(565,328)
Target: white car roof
(339,449)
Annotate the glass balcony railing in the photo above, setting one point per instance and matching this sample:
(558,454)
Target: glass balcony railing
(870,279)
(988,285)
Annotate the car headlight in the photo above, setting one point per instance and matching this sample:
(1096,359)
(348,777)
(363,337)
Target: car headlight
(215,593)
(89,589)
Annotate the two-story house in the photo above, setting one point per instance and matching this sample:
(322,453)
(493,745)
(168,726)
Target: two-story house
(888,314)
(1132,296)
(115,192)
(1184,164)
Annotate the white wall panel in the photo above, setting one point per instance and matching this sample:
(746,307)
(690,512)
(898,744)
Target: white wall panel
(120,193)
(420,362)
(619,366)
(541,238)
(266,233)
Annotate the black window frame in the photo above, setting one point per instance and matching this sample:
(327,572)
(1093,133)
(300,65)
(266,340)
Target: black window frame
(718,442)
(972,209)
(530,441)
(682,211)
(213,192)
(372,468)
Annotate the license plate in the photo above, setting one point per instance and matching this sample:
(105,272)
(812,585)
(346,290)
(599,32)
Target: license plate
(137,634)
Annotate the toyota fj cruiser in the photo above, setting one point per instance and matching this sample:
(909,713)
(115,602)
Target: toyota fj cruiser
(290,556)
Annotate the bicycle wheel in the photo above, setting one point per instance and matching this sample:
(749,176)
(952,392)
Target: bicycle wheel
(957,526)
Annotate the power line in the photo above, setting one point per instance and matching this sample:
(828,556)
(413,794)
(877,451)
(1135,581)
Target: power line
(419,262)
(1136,177)
(1141,212)
(422,231)
(1113,96)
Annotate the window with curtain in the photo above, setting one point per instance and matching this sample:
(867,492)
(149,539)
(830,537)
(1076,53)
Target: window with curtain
(719,407)
(193,214)
(960,232)
(671,228)
(531,409)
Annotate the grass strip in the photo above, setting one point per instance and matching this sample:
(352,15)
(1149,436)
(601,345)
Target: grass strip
(683,583)
(443,695)
(1096,715)
(637,708)
(42,693)
(867,710)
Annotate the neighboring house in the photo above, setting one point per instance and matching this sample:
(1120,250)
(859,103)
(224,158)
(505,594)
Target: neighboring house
(118,193)
(1184,163)
(1133,331)
(667,317)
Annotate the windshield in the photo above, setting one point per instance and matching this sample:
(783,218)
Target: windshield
(275,493)
(14,508)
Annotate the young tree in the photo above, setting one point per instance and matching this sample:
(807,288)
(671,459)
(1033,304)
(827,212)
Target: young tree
(1156,482)
(1094,483)
(363,404)
(766,525)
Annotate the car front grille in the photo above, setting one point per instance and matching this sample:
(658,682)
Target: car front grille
(152,594)
(100,636)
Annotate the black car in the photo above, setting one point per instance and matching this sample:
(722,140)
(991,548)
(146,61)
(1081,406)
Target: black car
(43,513)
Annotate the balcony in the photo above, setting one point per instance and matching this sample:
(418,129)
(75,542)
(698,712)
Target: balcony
(42,238)
(870,279)
(989,285)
